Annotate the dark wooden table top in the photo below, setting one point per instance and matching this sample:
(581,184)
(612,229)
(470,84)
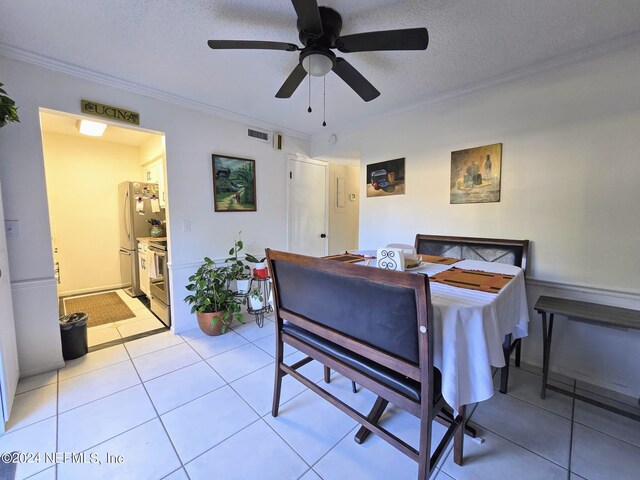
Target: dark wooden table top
(605,315)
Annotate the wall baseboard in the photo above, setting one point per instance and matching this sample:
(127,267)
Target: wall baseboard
(84,291)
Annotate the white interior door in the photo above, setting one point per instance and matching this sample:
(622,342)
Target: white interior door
(9,372)
(308,207)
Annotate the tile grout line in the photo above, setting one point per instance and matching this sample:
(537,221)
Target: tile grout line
(520,446)
(227,384)
(157,414)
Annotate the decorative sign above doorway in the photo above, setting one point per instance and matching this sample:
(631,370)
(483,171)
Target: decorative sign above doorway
(110,112)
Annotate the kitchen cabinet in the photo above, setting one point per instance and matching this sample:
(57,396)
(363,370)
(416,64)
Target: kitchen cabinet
(143,270)
(154,173)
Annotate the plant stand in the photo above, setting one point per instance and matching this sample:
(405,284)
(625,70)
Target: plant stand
(264,285)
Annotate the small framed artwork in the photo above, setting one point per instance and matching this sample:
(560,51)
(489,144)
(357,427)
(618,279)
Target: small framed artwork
(385,178)
(234,184)
(475,174)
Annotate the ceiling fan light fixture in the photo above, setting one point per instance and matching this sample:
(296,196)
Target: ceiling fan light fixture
(317,64)
(91,128)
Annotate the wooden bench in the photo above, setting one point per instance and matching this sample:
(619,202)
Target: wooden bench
(586,312)
(512,252)
(374,327)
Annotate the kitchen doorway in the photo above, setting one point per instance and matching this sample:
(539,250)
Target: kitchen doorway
(101,190)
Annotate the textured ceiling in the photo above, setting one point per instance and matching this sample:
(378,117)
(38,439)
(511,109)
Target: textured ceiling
(161,44)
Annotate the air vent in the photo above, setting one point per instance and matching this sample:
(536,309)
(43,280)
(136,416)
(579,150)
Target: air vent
(259,135)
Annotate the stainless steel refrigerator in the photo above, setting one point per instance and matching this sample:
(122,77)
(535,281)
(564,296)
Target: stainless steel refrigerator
(135,209)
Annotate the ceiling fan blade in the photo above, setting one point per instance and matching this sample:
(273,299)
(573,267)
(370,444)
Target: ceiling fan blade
(251,44)
(406,39)
(308,16)
(355,80)
(292,82)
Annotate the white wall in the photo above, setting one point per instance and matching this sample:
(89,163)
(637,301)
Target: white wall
(191,137)
(82,187)
(570,183)
(343,220)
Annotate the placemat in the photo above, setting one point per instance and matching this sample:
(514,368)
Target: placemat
(346,258)
(440,260)
(472,279)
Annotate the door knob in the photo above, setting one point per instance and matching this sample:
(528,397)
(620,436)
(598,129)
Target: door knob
(323,235)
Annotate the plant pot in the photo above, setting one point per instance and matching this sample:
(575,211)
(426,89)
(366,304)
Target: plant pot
(260,270)
(233,285)
(206,319)
(256,303)
(242,285)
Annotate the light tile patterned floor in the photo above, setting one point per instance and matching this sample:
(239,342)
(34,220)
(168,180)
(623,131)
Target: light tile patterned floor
(197,407)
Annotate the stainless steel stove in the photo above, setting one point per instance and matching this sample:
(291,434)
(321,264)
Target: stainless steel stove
(159,284)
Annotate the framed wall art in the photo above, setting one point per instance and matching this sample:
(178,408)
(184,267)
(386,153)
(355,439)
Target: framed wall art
(475,174)
(234,184)
(385,178)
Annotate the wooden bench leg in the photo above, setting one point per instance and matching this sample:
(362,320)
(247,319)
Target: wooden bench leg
(374,415)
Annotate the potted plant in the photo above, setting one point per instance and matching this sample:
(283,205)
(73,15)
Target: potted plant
(212,301)
(256,299)
(8,109)
(239,272)
(259,267)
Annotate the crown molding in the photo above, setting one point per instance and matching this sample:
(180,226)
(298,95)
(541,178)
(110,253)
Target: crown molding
(87,74)
(563,61)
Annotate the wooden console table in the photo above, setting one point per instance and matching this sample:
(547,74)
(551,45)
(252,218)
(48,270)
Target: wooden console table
(603,315)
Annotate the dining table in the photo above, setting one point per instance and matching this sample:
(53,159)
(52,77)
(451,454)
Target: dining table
(470,325)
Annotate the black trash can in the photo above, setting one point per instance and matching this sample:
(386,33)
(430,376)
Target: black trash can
(73,332)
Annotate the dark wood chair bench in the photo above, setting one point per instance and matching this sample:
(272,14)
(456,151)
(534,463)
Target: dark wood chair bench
(373,326)
(586,312)
(512,252)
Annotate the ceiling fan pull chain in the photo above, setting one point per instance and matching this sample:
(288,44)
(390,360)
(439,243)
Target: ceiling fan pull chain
(324,101)
(309,109)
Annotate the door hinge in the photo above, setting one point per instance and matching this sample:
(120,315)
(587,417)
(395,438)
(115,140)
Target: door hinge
(290,174)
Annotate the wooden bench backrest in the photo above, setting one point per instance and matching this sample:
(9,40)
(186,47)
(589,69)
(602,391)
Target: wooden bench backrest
(513,252)
(380,308)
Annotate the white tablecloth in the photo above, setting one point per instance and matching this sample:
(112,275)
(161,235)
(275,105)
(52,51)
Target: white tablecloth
(469,328)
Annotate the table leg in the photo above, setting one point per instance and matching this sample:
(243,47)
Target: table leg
(546,338)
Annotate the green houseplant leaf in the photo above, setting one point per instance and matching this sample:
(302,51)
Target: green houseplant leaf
(8,109)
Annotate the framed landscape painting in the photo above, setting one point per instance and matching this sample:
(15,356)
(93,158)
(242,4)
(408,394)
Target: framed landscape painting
(234,184)
(475,174)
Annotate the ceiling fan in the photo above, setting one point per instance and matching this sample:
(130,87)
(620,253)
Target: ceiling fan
(319,31)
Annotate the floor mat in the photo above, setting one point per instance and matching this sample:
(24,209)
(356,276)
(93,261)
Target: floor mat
(102,308)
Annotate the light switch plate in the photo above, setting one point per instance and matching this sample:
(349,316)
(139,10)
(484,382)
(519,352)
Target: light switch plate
(12,228)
